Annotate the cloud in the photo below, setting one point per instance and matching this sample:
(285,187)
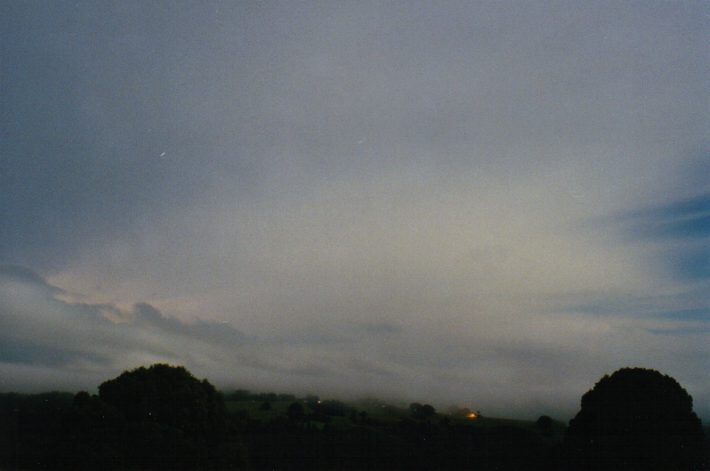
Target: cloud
(461,295)
(682,228)
(91,340)
(446,350)
(267,101)
(479,203)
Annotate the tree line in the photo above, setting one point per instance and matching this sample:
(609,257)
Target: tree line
(161,417)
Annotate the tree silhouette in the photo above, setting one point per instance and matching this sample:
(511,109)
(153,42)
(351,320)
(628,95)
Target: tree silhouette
(295,412)
(172,419)
(421,411)
(88,437)
(544,424)
(636,419)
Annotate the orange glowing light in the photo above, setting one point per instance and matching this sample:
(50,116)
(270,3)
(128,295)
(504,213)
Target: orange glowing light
(471,415)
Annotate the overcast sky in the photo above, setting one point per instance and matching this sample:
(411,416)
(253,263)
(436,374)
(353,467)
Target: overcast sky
(489,204)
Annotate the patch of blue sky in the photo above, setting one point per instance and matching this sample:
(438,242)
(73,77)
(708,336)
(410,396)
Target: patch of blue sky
(600,309)
(646,308)
(680,330)
(692,263)
(680,220)
(627,308)
(684,226)
(691,207)
(701,314)
(687,227)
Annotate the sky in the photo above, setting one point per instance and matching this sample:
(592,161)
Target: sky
(487,204)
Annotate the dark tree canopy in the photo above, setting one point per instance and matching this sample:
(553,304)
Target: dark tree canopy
(172,420)
(295,412)
(636,419)
(544,424)
(167,395)
(422,411)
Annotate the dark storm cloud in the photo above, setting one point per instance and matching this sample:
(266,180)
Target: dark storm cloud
(219,333)
(26,351)
(25,275)
(39,330)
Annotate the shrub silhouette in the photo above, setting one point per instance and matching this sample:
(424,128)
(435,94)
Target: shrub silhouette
(635,419)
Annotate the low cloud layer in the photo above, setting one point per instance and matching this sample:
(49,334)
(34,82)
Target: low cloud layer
(499,354)
(491,204)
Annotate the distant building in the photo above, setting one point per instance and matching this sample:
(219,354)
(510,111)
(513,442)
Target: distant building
(463,412)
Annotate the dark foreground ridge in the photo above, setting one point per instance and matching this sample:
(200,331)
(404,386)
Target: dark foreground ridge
(163,418)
